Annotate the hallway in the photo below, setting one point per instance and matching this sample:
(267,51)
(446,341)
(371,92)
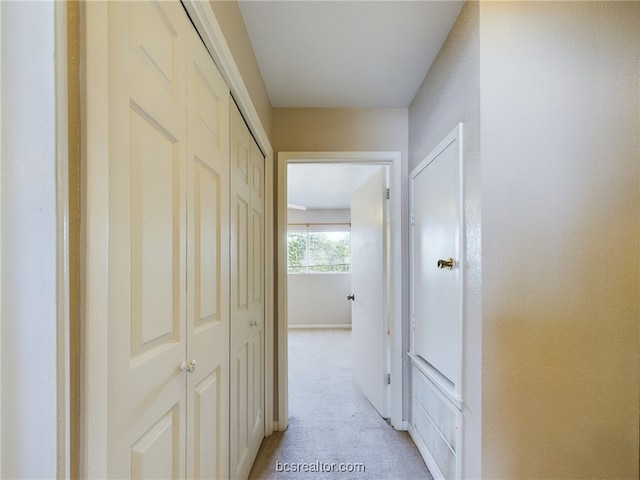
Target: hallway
(331,422)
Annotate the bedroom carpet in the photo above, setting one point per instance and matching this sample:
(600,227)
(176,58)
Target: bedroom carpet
(332,426)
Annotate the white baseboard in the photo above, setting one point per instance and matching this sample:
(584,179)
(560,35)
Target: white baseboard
(321,326)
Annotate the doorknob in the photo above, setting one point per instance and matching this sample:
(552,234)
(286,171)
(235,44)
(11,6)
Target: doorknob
(448,263)
(351,297)
(189,367)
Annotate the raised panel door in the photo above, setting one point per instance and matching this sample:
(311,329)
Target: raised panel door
(207,266)
(147,242)
(247,297)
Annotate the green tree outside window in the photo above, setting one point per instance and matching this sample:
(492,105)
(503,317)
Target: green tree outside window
(319,252)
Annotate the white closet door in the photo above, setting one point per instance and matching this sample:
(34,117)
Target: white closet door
(436,288)
(207,266)
(147,241)
(247,297)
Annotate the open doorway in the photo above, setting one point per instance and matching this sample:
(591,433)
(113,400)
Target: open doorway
(319,242)
(336,265)
(390,372)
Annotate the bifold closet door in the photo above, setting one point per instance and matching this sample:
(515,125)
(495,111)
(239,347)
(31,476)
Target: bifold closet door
(147,240)
(247,296)
(207,266)
(168,249)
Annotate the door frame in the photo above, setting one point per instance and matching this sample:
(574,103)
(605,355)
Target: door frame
(42,213)
(95,208)
(393,161)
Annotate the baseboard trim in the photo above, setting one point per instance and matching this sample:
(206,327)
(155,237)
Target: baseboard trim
(321,326)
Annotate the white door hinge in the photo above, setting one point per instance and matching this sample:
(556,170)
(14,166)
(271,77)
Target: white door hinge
(388,194)
(413,219)
(388,379)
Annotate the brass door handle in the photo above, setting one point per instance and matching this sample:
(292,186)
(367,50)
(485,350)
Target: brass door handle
(448,263)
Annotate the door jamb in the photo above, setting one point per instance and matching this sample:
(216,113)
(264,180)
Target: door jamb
(393,160)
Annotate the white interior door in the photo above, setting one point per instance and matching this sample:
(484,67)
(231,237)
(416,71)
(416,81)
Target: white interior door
(247,297)
(368,315)
(207,266)
(147,240)
(436,289)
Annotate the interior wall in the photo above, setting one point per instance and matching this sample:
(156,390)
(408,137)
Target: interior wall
(336,216)
(229,17)
(319,299)
(451,94)
(560,103)
(28,415)
(336,129)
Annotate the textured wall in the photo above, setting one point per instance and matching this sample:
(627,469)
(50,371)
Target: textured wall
(451,94)
(560,147)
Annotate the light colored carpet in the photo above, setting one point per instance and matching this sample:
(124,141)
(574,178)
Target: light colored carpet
(331,422)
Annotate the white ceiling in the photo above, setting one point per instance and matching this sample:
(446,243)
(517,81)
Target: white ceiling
(343,54)
(325,185)
(350,54)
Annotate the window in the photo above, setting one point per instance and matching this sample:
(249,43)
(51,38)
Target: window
(318,252)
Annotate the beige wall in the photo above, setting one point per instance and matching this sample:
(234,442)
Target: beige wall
(230,19)
(316,129)
(451,94)
(560,147)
